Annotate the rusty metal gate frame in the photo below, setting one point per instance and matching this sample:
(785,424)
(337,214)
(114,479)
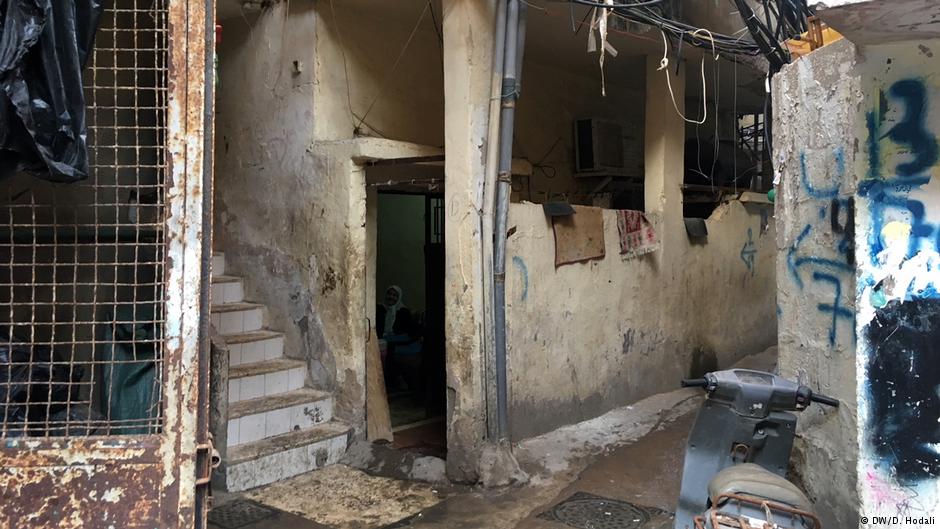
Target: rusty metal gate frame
(151,480)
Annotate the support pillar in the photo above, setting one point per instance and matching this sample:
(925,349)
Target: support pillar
(665,152)
(468,48)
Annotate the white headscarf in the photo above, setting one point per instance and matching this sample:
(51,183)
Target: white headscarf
(392,311)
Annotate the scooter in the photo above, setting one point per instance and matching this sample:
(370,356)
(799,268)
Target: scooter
(736,459)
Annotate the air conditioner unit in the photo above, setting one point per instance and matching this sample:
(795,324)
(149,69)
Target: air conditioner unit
(598,147)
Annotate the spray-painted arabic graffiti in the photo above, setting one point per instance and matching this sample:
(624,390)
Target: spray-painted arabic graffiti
(899,284)
(835,266)
(749,252)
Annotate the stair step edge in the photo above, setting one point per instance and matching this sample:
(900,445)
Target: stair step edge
(235,307)
(244,408)
(251,336)
(244,453)
(264,368)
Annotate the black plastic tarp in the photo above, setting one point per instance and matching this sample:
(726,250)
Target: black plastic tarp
(36,387)
(44,45)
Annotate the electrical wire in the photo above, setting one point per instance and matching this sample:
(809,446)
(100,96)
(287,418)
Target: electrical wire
(783,20)
(664,66)
(342,49)
(644,13)
(437,27)
(401,54)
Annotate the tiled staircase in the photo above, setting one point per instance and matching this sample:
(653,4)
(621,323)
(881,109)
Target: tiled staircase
(278,427)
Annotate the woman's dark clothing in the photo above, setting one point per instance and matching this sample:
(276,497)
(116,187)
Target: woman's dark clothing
(403,335)
(403,321)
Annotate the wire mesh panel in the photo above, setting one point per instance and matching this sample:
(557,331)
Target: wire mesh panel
(82,266)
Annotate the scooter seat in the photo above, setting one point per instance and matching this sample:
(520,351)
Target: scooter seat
(754,480)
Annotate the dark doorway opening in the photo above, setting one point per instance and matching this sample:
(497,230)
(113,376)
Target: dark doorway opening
(410,316)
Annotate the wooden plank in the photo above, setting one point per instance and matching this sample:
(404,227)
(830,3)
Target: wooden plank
(378,418)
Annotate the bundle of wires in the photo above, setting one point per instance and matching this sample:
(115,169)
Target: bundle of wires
(783,20)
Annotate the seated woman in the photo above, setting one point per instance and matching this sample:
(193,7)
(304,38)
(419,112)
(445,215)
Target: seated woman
(395,324)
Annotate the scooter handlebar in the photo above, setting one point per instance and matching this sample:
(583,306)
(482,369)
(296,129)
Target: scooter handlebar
(695,382)
(823,399)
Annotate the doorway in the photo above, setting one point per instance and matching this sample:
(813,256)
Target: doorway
(409,316)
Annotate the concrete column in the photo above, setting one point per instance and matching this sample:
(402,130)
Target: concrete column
(468,35)
(665,155)
(815,107)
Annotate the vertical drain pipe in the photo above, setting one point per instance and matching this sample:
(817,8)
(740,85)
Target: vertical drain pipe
(515,33)
(489,216)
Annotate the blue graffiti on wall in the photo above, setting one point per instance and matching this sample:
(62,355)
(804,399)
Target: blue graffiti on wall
(823,193)
(749,252)
(827,270)
(889,196)
(524,273)
(902,368)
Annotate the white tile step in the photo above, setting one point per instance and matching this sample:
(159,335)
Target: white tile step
(227,289)
(236,318)
(265,378)
(256,419)
(276,458)
(254,346)
(218,264)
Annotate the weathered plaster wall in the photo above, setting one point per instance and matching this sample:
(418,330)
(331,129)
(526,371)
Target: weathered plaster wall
(362,72)
(279,214)
(898,278)
(816,103)
(589,337)
(468,37)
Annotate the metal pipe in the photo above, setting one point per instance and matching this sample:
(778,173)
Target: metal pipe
(487,219)
(520,46)
(511,63)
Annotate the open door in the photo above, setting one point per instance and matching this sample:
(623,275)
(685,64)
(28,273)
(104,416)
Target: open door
(102,288)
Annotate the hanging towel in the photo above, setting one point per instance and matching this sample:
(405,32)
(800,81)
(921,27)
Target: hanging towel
(579,237)
(637,236)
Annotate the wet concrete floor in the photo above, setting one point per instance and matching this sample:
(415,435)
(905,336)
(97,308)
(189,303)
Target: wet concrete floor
(645,473)
(632,454)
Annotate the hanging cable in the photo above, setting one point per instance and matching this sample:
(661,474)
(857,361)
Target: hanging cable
(664,65)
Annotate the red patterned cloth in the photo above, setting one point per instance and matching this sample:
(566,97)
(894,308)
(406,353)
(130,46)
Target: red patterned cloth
(637,236)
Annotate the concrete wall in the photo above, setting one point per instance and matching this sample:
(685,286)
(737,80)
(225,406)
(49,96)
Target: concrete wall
(816,102)
(862,129)
(586,338)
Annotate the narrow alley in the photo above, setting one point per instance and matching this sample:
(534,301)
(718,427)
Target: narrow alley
(510,264)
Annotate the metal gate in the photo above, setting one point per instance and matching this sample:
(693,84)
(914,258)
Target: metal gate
(102,289)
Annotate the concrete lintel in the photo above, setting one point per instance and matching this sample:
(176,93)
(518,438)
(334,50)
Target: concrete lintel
(867,22)
(363,150)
